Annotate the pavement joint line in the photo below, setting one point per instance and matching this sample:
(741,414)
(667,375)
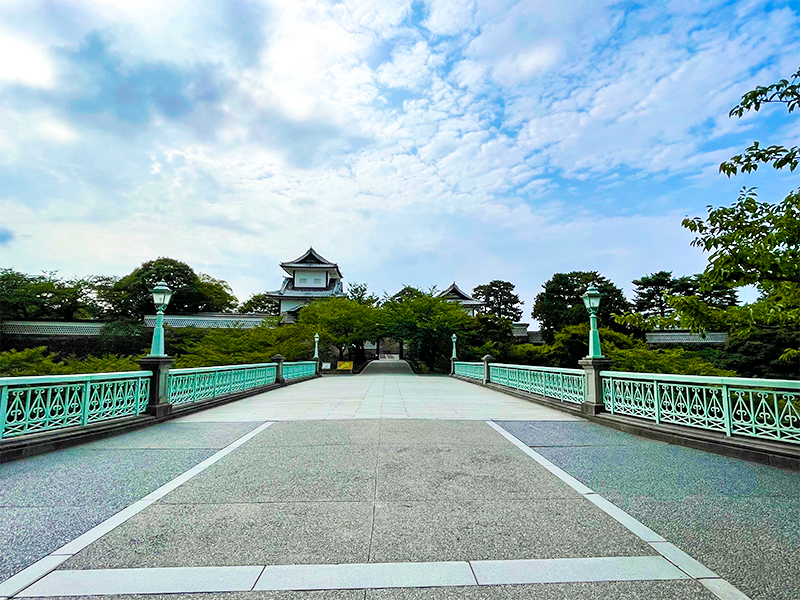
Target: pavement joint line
(44,566)
(683,561)
(357,576)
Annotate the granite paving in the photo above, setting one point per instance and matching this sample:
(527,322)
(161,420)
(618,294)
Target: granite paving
(740,519)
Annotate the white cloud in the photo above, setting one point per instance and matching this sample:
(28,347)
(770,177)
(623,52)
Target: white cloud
(24,62)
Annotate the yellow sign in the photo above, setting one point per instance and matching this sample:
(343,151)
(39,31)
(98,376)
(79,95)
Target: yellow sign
(344,366)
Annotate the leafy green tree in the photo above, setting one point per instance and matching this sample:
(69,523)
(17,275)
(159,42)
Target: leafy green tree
(651,293)
(486,334)
(499,299)
(130,296)
(45,296)
(259,303)
(37,361)
(343,323)
(359,292)
(426,322)
(560,303)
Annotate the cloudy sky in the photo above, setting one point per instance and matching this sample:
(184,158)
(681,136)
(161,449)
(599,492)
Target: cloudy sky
(411,142)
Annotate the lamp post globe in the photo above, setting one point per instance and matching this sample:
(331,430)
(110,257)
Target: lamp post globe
(162,294)
(591,300)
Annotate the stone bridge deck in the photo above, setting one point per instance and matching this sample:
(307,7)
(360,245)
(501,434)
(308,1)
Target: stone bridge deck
(394,486)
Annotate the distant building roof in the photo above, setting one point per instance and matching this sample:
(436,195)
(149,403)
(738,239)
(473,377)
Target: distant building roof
(310,260)
(458,295)
(288,290)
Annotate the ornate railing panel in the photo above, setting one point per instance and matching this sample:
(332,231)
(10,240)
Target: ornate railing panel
(566,385)
(468,369)
(762,408)
(297,370)
(195,385)
(37,404)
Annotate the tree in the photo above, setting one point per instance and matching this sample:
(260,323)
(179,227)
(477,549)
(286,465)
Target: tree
(426,322)
(560,303)
(343,323)
(44,296)
(652,291)
(359,292)
(130,297)
(260,303)
(499,299)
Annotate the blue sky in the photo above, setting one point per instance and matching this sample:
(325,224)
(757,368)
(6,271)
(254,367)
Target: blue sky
(411,142)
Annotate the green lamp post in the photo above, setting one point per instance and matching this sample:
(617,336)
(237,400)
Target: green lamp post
(591,299)
(161,297)
(454,338)
(316,346)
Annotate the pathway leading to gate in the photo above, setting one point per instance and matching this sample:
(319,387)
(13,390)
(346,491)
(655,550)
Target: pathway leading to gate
(395,486)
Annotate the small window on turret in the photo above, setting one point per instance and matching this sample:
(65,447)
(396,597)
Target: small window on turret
(303,280)
(317,280)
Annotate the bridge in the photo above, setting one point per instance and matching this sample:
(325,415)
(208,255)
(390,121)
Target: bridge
(387,485)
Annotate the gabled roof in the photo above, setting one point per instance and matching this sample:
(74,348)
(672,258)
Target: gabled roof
(310,260)
(456,293)
(288,291)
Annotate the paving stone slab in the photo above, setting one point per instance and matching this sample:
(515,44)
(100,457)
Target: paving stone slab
(752,542)
(423,472)
(197,535)
(664,472)
(30,533)
(498,530)
(439,433)
(629,590)
(254,595)
(316,433)
(76,476)
(566,433)
(285,474)
(178,435)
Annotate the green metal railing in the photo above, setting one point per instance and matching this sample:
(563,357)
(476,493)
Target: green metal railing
(468,369)
(38,404)
(762,408)
(205,383)
(298,370)
(566,385)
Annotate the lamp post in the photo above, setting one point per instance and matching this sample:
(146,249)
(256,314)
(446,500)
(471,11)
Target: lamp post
(161,297)
(157,362)
(454,337)
(316,346)
(591,299)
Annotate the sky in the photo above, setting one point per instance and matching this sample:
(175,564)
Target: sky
(417,143)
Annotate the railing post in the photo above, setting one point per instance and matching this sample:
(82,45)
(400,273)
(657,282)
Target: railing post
(593,401)
(158,404)
(87,396)
(3,409)
(657,400)
(279,370)
(727,410)
(487,378)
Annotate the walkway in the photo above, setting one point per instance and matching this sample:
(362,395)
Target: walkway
(396,507)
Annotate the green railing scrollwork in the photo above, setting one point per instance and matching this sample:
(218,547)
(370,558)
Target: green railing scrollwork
(46,403)
(761,408)
(205,383)
(566,385)
(298,370)
(469,370)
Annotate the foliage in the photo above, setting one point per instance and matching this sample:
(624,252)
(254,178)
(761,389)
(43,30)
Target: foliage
(130,296)
(783,92)
(486,334)
(233,346)
(499,299)
(260,303)
(359,292)
(651,293)
(44,296)
(426,322)
(629,354)
(560,304)
(343,323)
(37,361)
